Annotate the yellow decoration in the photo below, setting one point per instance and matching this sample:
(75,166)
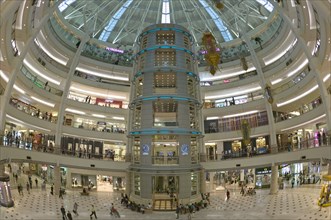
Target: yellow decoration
(211,55)
(246,132)
(219,5)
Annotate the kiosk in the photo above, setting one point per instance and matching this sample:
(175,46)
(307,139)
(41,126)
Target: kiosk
(325,198)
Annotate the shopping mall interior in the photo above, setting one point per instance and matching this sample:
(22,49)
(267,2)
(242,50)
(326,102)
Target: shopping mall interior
(163,109)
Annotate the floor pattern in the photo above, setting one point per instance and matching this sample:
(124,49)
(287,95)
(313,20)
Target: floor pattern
(298,203)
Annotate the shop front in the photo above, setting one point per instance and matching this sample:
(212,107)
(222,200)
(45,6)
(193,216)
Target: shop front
(263,177)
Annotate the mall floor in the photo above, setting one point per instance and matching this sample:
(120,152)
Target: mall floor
(298,203)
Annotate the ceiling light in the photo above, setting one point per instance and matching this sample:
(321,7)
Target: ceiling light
(39,73)
(240,114)
(27,124)
(118,118)
(75,111)
(98,116)
(305,123)
(239,92)
(97,93)
(43,102)
(212,118)
(297,97)
(19,89)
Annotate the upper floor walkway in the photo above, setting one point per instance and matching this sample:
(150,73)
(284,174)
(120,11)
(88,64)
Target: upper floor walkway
(56,157)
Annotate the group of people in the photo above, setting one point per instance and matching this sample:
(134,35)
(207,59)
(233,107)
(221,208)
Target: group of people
(190,209)
(28,184)
(66,215)
(246,191)
(134,206)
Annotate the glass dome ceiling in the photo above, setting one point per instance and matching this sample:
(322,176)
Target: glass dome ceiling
(120,21)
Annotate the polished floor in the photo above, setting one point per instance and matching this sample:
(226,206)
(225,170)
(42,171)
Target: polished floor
(298,203)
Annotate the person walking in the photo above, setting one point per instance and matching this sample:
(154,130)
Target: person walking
(20,189)
(60,194)
(177,212)
(28,187)
(69,215)
(93,212)
(227,195)
(63,211)
(52,189)
(75,209)
(36,180)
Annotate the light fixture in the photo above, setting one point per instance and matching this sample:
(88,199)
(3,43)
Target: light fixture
(43,102)
(297,97)
(39,73)
(118,118)
(75,111)
(240,114)
(98,116)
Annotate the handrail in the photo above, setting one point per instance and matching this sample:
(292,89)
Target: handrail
(50,149)
(305,144)
(43,85)
(323,141)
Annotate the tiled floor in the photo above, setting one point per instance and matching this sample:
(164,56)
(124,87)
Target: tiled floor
(298,203)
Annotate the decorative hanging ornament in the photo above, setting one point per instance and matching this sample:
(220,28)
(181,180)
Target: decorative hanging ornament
(246,132)
(218,4)
(267,91)
(212,56)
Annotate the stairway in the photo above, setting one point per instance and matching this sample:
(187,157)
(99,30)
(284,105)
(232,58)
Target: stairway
(164,205)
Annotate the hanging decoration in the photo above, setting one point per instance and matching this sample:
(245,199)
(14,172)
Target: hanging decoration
(218,4)
(246,132)
(212,56)
(267,91)
(244,63)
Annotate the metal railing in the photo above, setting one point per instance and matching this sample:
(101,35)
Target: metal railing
(284,147)
(323,141)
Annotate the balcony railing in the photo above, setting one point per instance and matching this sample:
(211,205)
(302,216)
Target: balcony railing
(305,144)
(324,141)
(165,160)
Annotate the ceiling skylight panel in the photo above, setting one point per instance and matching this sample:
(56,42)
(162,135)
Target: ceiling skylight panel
(266,4)
(113,21)
(165,19)
(218,21)
(65,4)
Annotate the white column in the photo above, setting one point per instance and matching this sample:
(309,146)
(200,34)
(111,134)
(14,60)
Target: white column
(74,62)
(69,180)
(274,179)
(263,83)
(57,179)
(203,181)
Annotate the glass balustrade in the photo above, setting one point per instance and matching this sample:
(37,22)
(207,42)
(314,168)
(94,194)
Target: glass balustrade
(43,85)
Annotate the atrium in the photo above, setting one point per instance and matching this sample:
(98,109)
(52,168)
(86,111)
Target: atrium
(167,103)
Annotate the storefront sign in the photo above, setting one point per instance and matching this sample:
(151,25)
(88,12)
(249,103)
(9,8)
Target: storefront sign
(261,171)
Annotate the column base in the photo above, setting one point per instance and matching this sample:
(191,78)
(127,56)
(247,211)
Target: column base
(203,157)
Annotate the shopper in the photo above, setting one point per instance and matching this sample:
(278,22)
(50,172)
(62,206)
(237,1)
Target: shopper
(93,212)
(177,212)
(28,187)
(227,195)
(36,180)
(69,215)
(63,211)
(60,193)
(75,209)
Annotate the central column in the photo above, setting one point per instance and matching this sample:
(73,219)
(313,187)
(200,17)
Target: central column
(165,124)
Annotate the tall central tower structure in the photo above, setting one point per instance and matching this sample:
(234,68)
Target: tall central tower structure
(165,122)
